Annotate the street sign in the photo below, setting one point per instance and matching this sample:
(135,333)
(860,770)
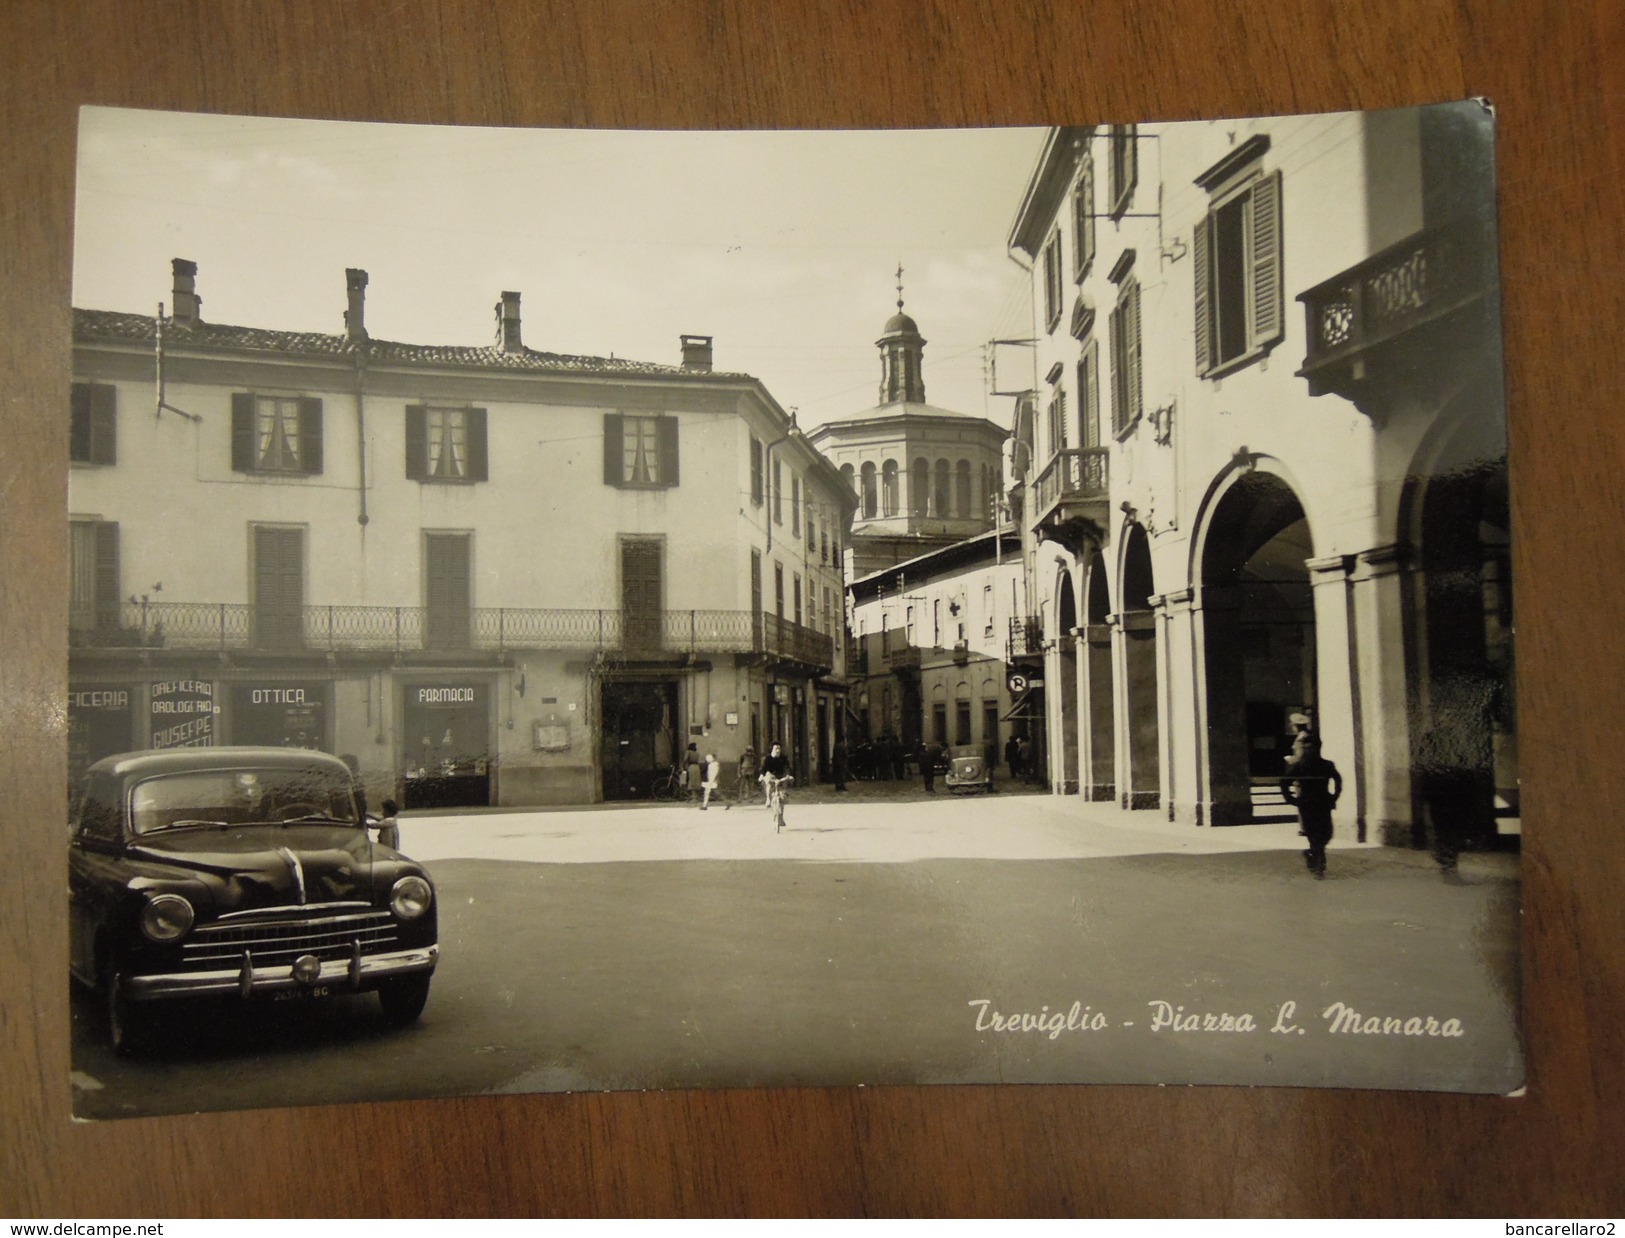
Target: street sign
(1017,683)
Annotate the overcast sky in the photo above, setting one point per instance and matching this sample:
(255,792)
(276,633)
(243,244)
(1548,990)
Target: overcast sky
(784,246)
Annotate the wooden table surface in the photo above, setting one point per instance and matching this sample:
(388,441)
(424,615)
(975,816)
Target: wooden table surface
(1555,69)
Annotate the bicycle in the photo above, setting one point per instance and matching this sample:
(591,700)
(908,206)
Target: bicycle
(775,798)
(670,786)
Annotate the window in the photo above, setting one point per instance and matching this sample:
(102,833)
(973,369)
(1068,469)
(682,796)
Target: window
(778,492)
(1125,344)
(445,444)
(795,506)
(758,476)
(888,488)
(93,431)
(795,581)
(961,722)
(919,486)
(987,609)
(962,495)
(1083,219)
(279,586)
(1057,420)
(93,600)
(1089,394)
(447,590)
(1125,169)
(1237,267)
(871,499)
(1052,280)
(812,526)
(640,452)
(944,496)
(276,434)
(642,593)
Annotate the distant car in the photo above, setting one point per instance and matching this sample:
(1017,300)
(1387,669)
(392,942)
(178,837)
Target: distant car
(968,769)
(241,873)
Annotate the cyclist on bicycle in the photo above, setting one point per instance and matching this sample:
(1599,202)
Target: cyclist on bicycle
(775,766)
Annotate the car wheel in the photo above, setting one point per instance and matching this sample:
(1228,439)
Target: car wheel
(403,999)
(127,1022)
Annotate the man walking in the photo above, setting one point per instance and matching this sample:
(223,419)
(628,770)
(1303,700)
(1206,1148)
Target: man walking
(1311,784)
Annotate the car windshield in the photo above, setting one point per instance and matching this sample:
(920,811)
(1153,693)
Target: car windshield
(227,797)
(962,752)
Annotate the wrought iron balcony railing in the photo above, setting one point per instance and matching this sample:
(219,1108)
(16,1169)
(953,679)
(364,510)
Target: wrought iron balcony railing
(227,626)
(1425,277)
(1026,637)
(1074,475)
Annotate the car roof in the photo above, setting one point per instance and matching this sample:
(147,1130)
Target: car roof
(174,760)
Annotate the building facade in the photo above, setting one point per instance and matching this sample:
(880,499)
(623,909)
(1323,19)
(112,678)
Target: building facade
(1261,470)
(929,645)
(485,574)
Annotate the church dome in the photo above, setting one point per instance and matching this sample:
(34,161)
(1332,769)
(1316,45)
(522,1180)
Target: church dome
(900,324)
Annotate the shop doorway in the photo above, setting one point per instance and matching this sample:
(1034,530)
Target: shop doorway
(446,732)
(640,735)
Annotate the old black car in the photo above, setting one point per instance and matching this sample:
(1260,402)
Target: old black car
(240,873)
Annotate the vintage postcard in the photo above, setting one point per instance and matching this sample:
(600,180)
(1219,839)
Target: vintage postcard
(584,610)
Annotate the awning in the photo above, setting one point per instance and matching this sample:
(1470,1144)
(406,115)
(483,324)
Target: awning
(1029,705)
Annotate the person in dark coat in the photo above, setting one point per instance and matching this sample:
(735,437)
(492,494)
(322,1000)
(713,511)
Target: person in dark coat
(1012,758)
(838,764)
(1311,784)
(929,754)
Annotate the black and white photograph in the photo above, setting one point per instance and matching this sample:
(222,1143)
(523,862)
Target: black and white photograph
(600,610)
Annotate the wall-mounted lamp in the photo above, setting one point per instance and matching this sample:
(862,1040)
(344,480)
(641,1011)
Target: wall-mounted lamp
(1174,250)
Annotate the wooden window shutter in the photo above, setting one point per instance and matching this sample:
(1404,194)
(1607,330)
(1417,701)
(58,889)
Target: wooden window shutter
(1089,396)
(417,442)
(1132,350)
(756,475)
(479,452)
(107,574)
(310,434)
(1115,323)
(1269,319)
(667,431)
(1131,161)
(614,464)
(1203,274)
(1086,225)
(103,424)
(242,432)
(79,424)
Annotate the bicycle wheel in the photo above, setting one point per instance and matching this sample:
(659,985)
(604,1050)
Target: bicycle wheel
(778,811)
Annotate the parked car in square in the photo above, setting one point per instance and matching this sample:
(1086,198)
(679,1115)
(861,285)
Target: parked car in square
(241,873)
(968,769)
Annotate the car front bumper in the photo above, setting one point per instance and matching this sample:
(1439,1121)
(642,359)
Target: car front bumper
(354,974)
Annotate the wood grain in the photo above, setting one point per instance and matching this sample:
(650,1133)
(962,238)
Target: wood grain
(1554,72)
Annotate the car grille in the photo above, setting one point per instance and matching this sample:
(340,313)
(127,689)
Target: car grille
(281,941)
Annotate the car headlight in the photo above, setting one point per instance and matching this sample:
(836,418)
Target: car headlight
(410,898)
(167,917)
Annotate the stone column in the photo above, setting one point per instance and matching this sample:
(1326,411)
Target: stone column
(1338,703)
(1382,639)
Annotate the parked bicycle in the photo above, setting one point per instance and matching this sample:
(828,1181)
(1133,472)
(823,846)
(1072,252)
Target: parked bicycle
(670,785)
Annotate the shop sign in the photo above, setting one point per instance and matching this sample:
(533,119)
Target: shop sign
(183,714)
(286,714)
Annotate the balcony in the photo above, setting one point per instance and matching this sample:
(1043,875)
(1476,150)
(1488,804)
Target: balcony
(1075,486)
(239,627)
(1395,315)
(1026,638)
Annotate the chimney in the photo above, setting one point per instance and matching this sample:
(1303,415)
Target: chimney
(185,303)
(508,323)
(697,353)
(355,316)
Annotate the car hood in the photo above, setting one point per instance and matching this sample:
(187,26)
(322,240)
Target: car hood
(270,865)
